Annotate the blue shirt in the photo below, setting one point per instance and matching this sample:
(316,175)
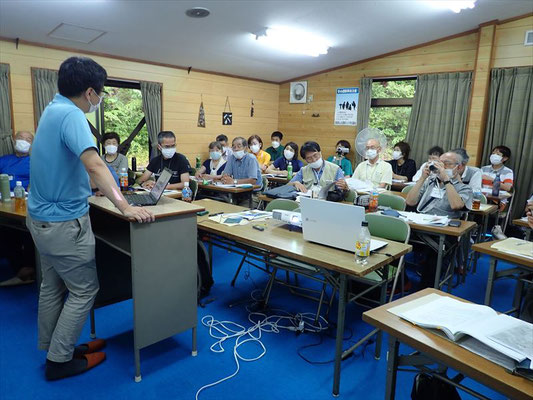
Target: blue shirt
(245,168)
(17,167)
(281,164)
(299,177)
(59,182)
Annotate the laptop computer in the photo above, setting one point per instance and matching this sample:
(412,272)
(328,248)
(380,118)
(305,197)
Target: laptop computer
(152,198)
(333,224)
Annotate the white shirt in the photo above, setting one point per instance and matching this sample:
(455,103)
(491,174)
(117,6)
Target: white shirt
(475,181)
(377,173)
(418,174)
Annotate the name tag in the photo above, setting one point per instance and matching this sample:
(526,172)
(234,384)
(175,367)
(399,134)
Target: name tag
(437,193)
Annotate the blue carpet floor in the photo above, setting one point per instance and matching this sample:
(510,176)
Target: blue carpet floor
(170,372)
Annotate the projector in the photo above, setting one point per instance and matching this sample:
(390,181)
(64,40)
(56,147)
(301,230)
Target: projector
(290,217)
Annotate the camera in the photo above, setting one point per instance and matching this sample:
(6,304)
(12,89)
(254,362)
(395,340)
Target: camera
(432,167)
(342,150)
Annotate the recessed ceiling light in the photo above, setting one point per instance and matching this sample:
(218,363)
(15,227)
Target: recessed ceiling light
(293,41)
(75,33)
(197,12)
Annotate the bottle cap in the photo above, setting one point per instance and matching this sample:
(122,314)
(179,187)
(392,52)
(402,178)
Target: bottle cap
(364,223)
(186,184)
(19,183)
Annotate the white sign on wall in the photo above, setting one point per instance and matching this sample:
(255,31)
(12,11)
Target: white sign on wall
(346,104)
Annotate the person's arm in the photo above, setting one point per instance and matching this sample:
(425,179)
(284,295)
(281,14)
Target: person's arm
(102,178)
(184,177)
(347,168)
(475,182)
(455,200)
(414,194)
(386,179)
(143,179)
(340,181)
(297,180)
(202,170)
(507,182)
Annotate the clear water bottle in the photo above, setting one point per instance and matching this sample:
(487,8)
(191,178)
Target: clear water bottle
(496,186)
(289,171)
(123,179)
(362,245)
(186,193)
(20,197)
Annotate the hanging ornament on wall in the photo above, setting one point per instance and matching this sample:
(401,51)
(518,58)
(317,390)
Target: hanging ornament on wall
(201,114)
(252,109)
(227,116)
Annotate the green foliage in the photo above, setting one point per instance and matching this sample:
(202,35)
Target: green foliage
(393,89)
(122,112)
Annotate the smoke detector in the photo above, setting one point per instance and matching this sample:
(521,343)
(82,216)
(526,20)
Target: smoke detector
(197,12)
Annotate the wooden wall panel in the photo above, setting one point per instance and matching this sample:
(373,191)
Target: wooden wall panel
(181,96)
(509,49)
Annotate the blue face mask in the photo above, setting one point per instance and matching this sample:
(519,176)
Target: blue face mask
(215,155)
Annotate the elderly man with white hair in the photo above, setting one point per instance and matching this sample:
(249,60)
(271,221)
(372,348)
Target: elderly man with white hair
(374,170)
(18,165)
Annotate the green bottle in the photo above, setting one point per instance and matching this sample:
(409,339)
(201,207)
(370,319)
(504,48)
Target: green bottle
(4,188)
(198,162)
(289,171)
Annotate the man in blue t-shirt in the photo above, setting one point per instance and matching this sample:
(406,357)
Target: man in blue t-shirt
(64,159)
(17,165)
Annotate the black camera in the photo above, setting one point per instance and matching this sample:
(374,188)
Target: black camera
(432,168)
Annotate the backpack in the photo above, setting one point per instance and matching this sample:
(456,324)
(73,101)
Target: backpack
(427,387)
(205,278)
(282,192)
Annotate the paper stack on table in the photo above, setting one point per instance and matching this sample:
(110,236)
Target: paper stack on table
(424,219)
(515,246)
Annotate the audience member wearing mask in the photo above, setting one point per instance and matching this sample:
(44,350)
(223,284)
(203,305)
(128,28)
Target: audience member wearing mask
(403,168)
(226,149)
(342,148)
(433,155)
(317,172)
(18,165)
(213,167)
(256,145)
(500,155)
(169,158)
(290,155)
(276,149)
(241,167)
(470,176)
(112,157)
(374,170)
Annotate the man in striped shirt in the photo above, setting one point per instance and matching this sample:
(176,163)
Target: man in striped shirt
(500,154)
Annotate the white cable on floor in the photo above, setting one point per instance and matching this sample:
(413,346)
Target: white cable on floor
(225,330)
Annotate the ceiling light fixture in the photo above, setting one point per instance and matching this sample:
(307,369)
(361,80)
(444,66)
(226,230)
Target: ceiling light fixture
(197,12)
(455,5)
(293,41)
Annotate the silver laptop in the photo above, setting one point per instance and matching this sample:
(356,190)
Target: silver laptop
(333,224)
(152,198)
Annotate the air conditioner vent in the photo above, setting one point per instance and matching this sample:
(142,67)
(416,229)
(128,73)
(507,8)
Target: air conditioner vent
(528,41)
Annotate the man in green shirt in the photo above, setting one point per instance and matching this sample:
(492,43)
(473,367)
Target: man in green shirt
(276,150)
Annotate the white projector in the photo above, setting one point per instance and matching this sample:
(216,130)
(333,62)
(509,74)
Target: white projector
(290,217)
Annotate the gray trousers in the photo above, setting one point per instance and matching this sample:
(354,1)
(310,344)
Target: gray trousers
(67,254)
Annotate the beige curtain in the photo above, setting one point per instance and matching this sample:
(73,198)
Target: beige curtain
(151,95)
(45,88)
(6,130)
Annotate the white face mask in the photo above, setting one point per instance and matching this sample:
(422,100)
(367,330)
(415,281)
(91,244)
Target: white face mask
(396,155)
(22,146)
(238,154)
(255,148)
(288,154)
(94,107)
(495,159)
(275,144)
(316,164)
(111,149)
(371,154)
(215,155)
(450,172)
(168,153)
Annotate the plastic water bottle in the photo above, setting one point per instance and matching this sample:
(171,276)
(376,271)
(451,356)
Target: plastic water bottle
(186,193)
(289,171)
(123,179)
(20,197)
(362,245)
(373,204)
(496,186)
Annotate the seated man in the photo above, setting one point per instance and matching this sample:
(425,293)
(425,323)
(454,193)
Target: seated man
(470,176)
(17,245)
(317,172)
(440,192)
(500,155)
(18,165)
(433,155)
(242,166)
(226,150)
(276,150)
(374,170)
(176,162)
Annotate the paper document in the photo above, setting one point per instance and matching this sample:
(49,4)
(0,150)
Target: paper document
(483,207)
(362,186)
(515,246)
(424,219)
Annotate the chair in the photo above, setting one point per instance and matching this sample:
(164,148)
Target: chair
(193,185)
(407,189)
(282,204)
(350,196)
(392,201)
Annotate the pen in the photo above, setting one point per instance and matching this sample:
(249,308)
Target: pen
(215,214)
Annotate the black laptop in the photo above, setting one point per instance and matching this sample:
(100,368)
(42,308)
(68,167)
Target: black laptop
(151,199)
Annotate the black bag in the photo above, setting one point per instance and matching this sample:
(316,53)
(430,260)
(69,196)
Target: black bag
(205,279)
(282,192)
(427,387)
(335,195)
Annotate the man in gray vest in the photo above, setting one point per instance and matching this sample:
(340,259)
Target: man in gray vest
(317,172)
(470,176)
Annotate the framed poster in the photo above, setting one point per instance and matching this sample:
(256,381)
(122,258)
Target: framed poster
(346,104)
(298,92)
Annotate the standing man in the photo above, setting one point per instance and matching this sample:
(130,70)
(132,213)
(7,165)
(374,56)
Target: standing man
(64,157)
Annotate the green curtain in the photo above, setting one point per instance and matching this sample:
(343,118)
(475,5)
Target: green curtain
(510,123)
(6,132)
(151,95)
(363,110)
(45,88)
(439,113)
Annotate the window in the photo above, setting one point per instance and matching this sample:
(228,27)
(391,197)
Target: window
(121,112)
(391,104)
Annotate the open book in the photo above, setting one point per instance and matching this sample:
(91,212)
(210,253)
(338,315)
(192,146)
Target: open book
(507,335)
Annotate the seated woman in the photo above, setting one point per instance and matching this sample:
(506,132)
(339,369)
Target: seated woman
(403,168)
(213,167)
(112,157)
(255,143)
(342,149)
(290,155)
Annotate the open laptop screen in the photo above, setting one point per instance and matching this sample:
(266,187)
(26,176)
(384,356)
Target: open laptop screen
(161,184)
